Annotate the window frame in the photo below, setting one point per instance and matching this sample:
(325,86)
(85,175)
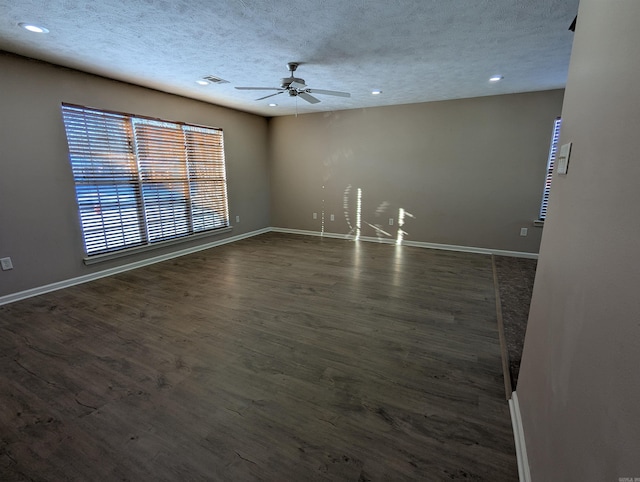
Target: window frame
(142,182)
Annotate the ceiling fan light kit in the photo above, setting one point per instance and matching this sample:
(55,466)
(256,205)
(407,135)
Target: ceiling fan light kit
(296,87)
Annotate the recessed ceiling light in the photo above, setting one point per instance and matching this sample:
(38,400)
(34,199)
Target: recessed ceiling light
(376,92)
(202,82)
(33,28)
(273,105)
(496,78)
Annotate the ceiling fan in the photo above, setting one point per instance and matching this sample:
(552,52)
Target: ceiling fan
(296,87)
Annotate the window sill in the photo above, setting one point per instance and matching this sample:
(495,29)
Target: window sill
(539,223)
(99,258)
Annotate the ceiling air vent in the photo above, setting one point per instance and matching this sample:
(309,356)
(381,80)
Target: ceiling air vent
(215,80)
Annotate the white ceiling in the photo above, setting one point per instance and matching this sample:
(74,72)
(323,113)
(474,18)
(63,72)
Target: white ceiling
(413,50)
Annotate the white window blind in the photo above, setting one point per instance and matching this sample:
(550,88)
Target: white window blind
(551,162)
(140,181)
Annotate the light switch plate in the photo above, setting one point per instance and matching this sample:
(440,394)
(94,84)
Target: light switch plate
(563,158)
(6,264)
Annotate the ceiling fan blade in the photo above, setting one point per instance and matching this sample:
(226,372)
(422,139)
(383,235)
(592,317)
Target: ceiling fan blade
(297,85)
(270,95)
(329,92)
(309,98)
(258,88)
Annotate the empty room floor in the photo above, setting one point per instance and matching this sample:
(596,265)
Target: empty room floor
(278,357)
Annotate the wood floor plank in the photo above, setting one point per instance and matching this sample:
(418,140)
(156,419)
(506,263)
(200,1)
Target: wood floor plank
(279,357)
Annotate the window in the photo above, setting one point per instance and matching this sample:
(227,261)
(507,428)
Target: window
(140,181)
(550,165)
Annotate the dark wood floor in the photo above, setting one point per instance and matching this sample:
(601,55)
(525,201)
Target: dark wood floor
(515,278)
(279,357)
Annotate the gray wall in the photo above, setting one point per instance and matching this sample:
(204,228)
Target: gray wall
(39,226)
(578,388)
(470,171)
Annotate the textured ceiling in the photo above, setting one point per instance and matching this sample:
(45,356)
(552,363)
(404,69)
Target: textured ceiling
(413,50)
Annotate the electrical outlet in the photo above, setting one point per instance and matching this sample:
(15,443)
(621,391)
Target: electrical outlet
(315,215)
(523,231)
(390,221)
(333,218)
(237,219)
(6,264)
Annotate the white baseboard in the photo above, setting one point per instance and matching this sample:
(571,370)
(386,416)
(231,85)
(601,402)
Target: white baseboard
(518,434)
(417,244)
(156,259)
(40,290)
